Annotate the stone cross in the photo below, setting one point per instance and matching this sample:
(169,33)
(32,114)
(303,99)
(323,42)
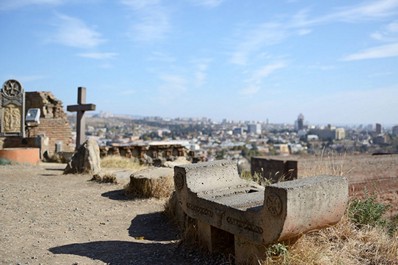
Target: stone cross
(80,108)
(12,109)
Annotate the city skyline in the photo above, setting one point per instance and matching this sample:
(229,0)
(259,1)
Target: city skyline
(334,62)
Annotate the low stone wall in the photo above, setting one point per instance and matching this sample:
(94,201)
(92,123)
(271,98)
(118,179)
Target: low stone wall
(146,153)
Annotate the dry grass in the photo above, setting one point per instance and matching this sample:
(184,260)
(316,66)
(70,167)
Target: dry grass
(161,187)
(107,178)
(342,244)
(327,164)
(121,162)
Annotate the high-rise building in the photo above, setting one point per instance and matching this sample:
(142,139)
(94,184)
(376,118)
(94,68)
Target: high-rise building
(395,130)
(299,124)
(378,128)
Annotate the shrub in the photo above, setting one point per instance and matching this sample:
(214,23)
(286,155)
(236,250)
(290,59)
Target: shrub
(4,162)
(105,179)
(367,212)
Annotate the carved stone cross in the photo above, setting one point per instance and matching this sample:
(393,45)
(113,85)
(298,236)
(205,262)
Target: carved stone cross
(80,108)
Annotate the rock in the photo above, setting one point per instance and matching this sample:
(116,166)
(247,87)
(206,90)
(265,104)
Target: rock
(86,159)
(151,182)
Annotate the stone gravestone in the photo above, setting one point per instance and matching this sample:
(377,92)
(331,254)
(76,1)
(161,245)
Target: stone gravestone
(274,170)
(12,109)
(80,109)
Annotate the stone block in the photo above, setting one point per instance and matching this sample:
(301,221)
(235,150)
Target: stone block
(215,195)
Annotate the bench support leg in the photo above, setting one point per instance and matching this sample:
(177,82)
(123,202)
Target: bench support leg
(248,253)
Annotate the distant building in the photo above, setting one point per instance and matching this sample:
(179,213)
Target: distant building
(299,124)
(238,131)
(324,134)
(340,134)
(395,130)
(254,128)
(378,128)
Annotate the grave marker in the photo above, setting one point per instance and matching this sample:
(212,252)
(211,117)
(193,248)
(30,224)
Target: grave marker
(12,109)
(80,109)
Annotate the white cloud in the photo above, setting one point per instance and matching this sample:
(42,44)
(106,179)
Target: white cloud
(383,51)
(140,4)
(200,71)
(98,55)
(256,79)
(256,37)
(161,57)
(368,10)
(152,20)
(388,33)
(200,75)
(172,87)
(266,34)
(74,32)
(15,4)
(207,3)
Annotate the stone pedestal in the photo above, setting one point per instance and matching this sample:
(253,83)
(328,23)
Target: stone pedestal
(21,155)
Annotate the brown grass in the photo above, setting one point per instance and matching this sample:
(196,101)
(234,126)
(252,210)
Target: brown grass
(342,244)
(327,164)
(121,162)
(107,178)
(161,187)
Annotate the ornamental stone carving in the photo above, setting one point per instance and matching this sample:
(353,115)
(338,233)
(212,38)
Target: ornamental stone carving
(12,109)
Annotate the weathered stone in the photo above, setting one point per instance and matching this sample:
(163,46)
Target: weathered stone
(151,182)
(274,170)
(12,109)
(226,206)
(86,159)
(80,109)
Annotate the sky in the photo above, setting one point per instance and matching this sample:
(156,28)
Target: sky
(333,61)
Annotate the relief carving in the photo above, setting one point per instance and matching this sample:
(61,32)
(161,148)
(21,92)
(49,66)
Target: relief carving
(12,119)
(199,209)
(12,108)
(244,225)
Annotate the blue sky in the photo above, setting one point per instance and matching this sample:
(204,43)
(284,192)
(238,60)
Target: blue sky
(334,61)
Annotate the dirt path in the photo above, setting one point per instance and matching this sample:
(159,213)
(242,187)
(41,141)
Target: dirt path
(50,218)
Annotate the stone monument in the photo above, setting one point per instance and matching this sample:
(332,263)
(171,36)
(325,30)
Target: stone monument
(12,109)
(80,109)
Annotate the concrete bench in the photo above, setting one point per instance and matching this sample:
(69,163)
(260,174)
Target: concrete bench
(240,217)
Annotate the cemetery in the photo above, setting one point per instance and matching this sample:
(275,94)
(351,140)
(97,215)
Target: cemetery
(52,214)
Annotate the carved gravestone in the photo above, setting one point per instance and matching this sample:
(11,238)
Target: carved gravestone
(12,109)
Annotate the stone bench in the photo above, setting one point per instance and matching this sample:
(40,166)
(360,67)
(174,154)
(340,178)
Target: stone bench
(240,217)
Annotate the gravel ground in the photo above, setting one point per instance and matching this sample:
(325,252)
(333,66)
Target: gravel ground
(50,218)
